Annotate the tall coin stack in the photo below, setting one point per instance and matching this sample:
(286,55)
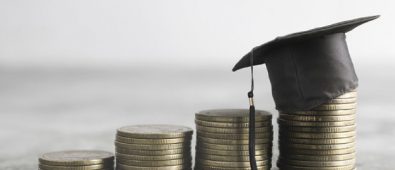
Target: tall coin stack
(77,160)
(222,140)
(320,139)
(153,147)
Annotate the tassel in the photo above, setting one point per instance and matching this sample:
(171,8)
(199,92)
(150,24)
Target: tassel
(251,124)
(251,132)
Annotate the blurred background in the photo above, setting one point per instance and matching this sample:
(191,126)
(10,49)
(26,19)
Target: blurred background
(72,71)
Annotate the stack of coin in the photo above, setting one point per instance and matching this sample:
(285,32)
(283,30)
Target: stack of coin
(222,139)
(153,147)
(321,138)
(76,160)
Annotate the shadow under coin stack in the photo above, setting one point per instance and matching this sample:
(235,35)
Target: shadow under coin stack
(320,139)
(154,147)
(222,140)
(77,160)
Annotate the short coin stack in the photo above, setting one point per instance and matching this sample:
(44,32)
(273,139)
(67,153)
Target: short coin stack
(222,139)
(154,147)
(320,139)
(77,160)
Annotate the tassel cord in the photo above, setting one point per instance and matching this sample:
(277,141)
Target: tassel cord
(251,124)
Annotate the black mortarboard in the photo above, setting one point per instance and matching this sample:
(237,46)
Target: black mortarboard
(308,68)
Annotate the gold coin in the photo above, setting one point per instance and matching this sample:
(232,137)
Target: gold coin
(347,95)
(78,167)
(287,134)
(203,167)
(317,147)
(293,151)
(317,118)
(152,147)
(319,129)
(155,163)
(76,157)
(294,167)
(201,150)
(230,142)
(318,163)
(320,158)
(322,113)
(153,152)
(152,158)
(231,130)
(231,125)
(315,124)
(174,167)
(151,141)
(239,136)
(155,131)
(228,163)
(232,115)
(318,141)
(336,106)
(231,147)
(342,101)
(230,158)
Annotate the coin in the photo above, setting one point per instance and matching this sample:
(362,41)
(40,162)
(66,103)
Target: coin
(155,163)
(336,106)
(342,101)
(318,141)
(174,167)
(322,138)
(317,135)
(232,115)
(320,158)
(222,139)
(151,141)
(152,152)
(229,164)
(234,136)
(322,113)
(231,142)
(319,129)
(293,167)
(71,167)
(290,151)
(201,150)
(231,147)
(150,157)
(317,147)
(152,147)
(76,157)
(230,125)
(202,167)
(230,158)
(232,130)
(318,163)
(316,124)
(317,118)
(155,131)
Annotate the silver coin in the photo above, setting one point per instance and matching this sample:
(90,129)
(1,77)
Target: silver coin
(76,157)
(155,131)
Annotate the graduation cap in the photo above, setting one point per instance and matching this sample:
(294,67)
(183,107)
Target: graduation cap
(305,69)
